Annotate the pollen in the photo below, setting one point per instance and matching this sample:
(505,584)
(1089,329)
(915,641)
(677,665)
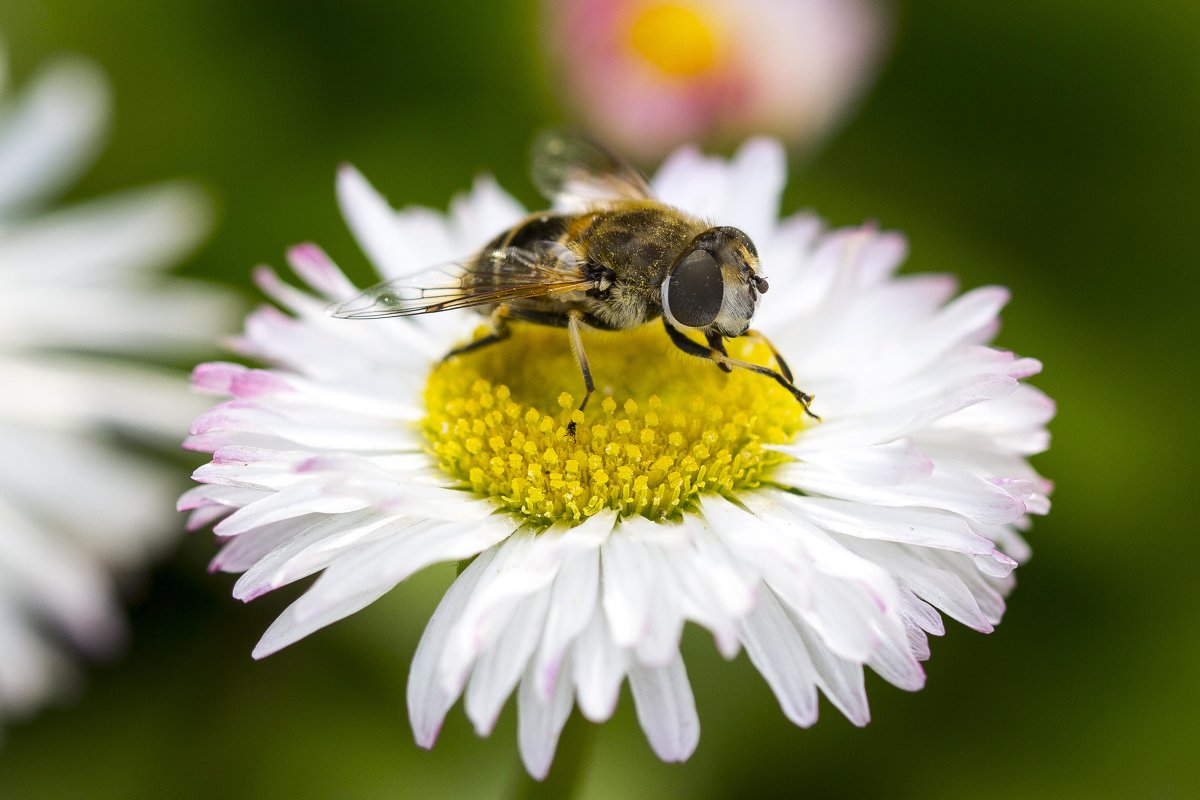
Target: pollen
(661,428)
(676,39)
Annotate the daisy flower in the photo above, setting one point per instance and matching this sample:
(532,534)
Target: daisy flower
(80,300)
(647,75)
(687,494)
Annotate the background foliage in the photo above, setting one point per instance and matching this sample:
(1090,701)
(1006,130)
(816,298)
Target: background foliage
(1051,147)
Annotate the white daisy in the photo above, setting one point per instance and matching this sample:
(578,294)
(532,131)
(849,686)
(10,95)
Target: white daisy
(687,495)
(80,296)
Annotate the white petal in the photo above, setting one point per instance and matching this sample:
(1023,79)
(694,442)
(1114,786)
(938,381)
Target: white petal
(91,245)
(540,722)
(776,649)
(56,581)
(76,395)
(658,643)
(628,579)
(934,584)
(957,322)
(32,669)
(921,614)
(538,565)
(888,464)
(572,604)
(317,269)
(666,709)
(305,498)
(120,520)
(484,211)
(896,663)
(759,171)
(52,132)
(915,526)
(576,591)
(840,679)
(598,668)
(372,221)
(952,490)
(488,611)
(691,181)
(428,701)
(708,589)
(904,418)
(242,551)
(363,576)
(500,666)
(312,549)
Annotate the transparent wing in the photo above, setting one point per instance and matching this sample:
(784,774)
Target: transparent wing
(495,277)
(574,171)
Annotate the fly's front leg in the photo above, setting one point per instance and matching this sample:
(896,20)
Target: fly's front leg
(717,342)
(573,328)
(500,332)
(783,367)
(712,354)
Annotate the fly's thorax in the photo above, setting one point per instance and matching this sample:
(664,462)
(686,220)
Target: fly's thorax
(637,240)
(635,243)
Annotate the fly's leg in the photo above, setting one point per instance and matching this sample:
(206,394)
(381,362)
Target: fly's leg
(500,332)
(717,342)
(573,328)
(712,354)
(783,367)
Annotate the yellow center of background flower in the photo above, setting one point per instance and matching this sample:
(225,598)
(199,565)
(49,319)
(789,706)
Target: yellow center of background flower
(675,38)
(661,428)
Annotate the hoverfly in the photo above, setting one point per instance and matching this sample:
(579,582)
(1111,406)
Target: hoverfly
(617,260)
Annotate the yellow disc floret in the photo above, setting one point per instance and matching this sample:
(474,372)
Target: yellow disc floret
(661,428)
(676,38)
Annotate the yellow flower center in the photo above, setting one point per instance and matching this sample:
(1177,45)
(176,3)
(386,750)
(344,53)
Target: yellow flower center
(675,38)
(661,428)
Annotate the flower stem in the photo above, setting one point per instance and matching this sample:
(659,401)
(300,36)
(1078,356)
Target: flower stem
(567,771)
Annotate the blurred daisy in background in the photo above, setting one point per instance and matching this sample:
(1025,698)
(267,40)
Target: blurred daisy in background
(647,75)
(82,299)
(686,495)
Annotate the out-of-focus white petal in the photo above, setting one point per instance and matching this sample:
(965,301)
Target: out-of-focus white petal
(51,132)
(92,244)
(82,299)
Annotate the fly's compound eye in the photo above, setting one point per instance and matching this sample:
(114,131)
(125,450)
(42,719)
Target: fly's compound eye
(694,292)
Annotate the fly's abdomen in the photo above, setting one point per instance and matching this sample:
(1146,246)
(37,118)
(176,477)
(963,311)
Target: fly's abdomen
(536,235)
(537,231)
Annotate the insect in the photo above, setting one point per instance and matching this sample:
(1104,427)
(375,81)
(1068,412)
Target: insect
(617,259)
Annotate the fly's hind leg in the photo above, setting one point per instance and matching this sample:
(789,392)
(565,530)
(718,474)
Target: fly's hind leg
(500,332)
(713,354)
(573,327)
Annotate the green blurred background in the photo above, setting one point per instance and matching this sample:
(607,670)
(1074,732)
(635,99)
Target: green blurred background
(1052,147)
